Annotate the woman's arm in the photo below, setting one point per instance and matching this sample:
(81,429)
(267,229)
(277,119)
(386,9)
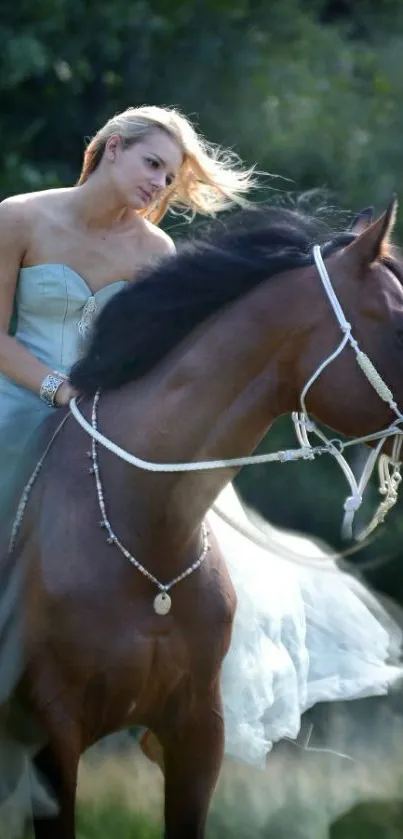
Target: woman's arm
(15,361)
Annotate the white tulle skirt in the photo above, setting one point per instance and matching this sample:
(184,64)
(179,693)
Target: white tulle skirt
(304,632)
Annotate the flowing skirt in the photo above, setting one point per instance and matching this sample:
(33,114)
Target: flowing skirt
(21,791)
(304,632)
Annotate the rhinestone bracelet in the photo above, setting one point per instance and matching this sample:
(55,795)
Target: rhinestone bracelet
(49,388)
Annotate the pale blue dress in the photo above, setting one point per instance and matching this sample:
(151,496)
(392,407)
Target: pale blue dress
(52,302)
(53,308)
(300,636)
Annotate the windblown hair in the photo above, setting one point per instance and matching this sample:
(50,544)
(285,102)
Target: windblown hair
(210,179)
(145,321)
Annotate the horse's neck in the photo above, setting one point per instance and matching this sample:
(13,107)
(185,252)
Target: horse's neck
(217,397)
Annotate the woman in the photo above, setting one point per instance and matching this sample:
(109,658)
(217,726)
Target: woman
(93,237)
(63,254)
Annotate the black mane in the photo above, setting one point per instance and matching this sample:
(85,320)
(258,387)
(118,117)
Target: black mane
(142,323)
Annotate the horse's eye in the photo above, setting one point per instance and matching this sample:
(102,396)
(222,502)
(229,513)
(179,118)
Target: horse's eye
(399,336)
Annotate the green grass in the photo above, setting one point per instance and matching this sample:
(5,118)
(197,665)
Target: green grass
(114,820)
(120,797)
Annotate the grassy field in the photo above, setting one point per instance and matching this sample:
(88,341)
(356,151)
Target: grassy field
(121,796)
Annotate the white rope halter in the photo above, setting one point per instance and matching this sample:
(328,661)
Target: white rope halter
(389,468)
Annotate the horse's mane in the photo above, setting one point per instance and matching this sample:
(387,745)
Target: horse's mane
(142,323)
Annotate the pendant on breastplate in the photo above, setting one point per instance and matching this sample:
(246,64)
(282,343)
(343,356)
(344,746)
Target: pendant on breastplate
(162,603)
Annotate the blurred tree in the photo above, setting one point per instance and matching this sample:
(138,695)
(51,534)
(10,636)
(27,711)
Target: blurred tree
(272,80)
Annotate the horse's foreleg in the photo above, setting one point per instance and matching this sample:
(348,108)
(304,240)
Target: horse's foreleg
(57,764)
(192,762)
(61,779)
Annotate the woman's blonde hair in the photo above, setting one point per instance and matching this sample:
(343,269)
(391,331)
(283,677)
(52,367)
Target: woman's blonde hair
(210,179)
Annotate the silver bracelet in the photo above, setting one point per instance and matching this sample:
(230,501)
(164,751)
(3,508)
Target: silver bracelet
(49,388)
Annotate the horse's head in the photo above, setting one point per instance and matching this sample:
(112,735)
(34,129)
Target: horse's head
(367,277)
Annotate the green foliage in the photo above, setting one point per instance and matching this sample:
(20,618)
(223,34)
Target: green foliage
(300,96)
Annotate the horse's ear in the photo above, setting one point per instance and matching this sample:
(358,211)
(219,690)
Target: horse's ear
(371,243)
(362,221)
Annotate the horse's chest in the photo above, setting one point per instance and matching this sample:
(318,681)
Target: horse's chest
(192,640)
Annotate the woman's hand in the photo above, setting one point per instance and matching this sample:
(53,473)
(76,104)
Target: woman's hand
(64,394)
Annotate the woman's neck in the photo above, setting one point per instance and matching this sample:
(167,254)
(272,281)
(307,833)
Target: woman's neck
(96,207)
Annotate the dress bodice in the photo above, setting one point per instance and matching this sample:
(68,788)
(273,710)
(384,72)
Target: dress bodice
(54,309)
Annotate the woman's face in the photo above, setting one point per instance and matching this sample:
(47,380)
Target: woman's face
(143,171)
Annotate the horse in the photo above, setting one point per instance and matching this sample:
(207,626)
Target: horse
(192,363)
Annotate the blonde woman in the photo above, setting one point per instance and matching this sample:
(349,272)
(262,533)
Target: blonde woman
(81,243)
(63,254)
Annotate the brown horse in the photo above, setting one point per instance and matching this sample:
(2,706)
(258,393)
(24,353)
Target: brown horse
(193,363)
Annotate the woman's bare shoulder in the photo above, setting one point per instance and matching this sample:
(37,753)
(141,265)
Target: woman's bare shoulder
(160,242)
(25,202)
(21,214)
